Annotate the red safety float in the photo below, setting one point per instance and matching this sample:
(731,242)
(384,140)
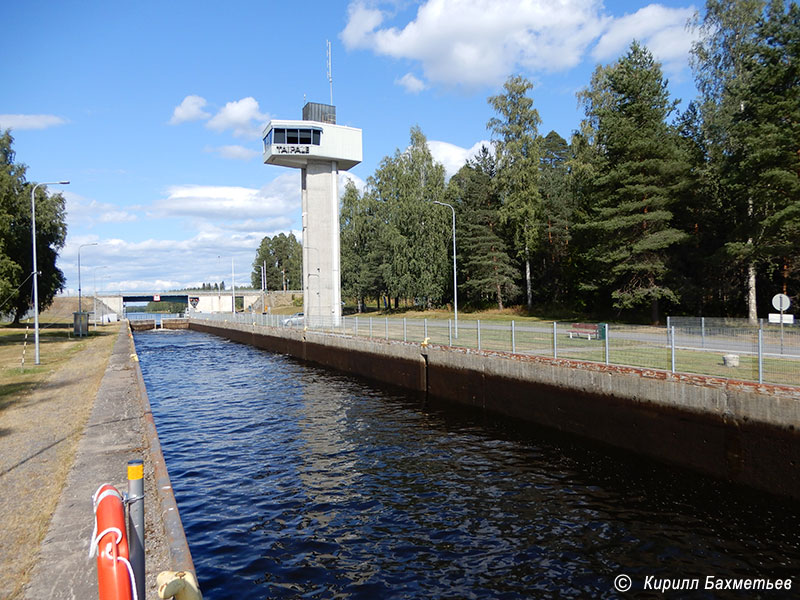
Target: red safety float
(110,541)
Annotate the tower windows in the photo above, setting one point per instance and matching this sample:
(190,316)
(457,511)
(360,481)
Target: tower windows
(306,136)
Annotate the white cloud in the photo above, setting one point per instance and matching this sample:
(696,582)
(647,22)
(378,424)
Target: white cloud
(221,223)
(242,117)
(361,24)
(30,121)
(190,109)
(235,152)
(229,203)
(162,264)
(345,176)
(454,157)
(411,83)
(85,212)
(474,43)
(662,29)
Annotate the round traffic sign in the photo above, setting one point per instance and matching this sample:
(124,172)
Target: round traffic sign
(781,302)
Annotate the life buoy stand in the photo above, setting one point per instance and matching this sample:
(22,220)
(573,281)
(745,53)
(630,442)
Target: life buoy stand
(110,542)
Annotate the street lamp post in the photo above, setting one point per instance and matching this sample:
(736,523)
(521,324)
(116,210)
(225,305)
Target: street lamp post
(35,271)
(455,280)
(80,310)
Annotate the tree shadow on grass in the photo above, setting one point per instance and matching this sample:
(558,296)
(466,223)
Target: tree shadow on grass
(11,393)
(42,450)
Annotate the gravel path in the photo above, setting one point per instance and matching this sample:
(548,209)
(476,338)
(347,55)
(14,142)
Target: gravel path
(38,437)
(71,433)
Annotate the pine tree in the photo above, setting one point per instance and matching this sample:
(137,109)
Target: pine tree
(718,59)
(762,168)
(558,217)
(637,184)
(487,270)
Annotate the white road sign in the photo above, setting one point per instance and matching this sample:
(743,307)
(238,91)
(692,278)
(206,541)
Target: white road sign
(781,302)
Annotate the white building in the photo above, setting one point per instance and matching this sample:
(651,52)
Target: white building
(320,149)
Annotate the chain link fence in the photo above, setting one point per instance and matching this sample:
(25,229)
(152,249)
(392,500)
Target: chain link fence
(715,347)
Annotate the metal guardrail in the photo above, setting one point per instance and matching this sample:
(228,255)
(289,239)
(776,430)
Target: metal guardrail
(745,353)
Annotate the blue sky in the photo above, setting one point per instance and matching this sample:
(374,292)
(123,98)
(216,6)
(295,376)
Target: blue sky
(153,110)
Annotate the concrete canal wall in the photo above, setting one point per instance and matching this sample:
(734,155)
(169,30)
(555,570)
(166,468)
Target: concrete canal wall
(734,430)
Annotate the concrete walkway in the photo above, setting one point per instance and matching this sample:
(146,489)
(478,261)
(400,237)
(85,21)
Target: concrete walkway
(114,435)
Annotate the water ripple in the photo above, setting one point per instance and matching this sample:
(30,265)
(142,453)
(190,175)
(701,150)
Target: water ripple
(295,482)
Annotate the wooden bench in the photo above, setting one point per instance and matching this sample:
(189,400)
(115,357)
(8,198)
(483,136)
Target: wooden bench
(589,330)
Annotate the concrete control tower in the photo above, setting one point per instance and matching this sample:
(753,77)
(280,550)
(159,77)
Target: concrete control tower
(320,149)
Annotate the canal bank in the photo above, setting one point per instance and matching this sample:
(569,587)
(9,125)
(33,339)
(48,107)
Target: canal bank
(737,431)
(120,428)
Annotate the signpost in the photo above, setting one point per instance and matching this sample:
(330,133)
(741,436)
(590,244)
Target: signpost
(781,302)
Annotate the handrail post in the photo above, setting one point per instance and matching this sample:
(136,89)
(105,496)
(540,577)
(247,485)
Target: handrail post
(555,339)
(672,346)
(513,339)
(136,522)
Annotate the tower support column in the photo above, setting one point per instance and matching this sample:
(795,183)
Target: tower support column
(322,300)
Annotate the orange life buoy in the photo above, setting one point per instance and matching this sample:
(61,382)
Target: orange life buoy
(110,540)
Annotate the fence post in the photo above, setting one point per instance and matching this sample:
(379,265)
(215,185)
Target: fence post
(405,331)
(605,325)
(760,356)
(355,328)
(479,334)
(702,332)
(672,346)
(387,328)
(450,332)
(425,323)
(555,340)
(136,522)
(370,327)
(513,339)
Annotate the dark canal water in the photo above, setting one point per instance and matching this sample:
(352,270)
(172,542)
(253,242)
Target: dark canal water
(297,482)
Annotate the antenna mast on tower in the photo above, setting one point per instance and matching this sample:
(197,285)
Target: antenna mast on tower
(330,74)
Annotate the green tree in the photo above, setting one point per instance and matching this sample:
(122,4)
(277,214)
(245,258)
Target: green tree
(702,270)
(558,213)
(486,269)
(639,181)
(415,232)
(16,259)
(727,30)
(761,168)
(363,255)
(283,256)
(516,142)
